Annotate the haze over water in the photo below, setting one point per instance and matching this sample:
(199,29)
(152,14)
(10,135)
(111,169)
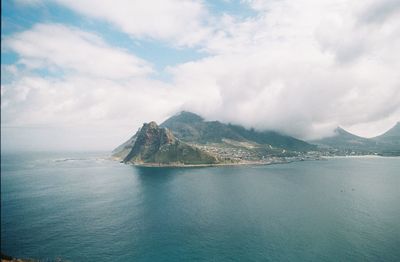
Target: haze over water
(81,207)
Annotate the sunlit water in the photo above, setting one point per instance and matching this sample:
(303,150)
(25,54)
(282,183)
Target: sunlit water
(81,207)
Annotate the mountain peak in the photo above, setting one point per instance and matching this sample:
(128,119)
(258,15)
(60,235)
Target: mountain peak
(183,117)
(188,114)
(151,125)
(151,131)
(392,133)
(339,131)
(149,139)
(158,146)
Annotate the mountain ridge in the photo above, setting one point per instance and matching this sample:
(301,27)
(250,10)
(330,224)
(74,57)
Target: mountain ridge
(188,126)
(188,139)
(393,132)
(386,144)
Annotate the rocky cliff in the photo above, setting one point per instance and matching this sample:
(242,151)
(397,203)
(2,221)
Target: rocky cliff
(153,145)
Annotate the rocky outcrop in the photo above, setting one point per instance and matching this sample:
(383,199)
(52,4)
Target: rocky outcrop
(158,146)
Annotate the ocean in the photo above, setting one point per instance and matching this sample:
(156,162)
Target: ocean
(83,207)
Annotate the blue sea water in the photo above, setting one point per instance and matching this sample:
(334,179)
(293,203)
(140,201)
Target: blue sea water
(82,207)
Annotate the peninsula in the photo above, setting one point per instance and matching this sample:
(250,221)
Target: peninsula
(186,139)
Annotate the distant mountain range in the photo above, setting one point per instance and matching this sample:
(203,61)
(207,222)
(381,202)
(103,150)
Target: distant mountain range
(347,143)
(390,140)
(187,139)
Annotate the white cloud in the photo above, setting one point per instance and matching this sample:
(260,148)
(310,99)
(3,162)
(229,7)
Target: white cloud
(301,67)
(111,110)
(181,22)
(81,101)
(100,87)
(54,46)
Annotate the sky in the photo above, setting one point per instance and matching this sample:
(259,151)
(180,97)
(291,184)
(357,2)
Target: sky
(85,75)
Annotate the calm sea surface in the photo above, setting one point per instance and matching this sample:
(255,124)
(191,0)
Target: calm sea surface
(81,207)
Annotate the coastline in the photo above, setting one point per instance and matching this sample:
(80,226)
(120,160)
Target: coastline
(243,163)
(361,156)
(248,163)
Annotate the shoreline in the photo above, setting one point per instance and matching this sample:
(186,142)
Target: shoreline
(249,163)
(361,156)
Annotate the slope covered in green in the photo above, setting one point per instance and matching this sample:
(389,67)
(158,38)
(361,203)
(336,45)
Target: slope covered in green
(390,141)
(186,138)
(190,127)
(391,136)
(345,140)
(385,144)
(155,145)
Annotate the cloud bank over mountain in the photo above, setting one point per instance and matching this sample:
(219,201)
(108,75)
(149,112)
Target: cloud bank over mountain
(299,67)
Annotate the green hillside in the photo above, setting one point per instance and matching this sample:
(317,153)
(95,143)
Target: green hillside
(385,144)
(345,140)
(187,139)
(390,141)
(155,145)
(190,127)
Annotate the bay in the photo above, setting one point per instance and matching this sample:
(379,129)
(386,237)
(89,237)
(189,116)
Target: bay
(83,207)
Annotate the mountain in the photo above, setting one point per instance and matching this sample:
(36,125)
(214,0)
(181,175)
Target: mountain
(188,139)
(389,141)
(390,136)
(190,127)
(158,146)
(385,144)
(346,141)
